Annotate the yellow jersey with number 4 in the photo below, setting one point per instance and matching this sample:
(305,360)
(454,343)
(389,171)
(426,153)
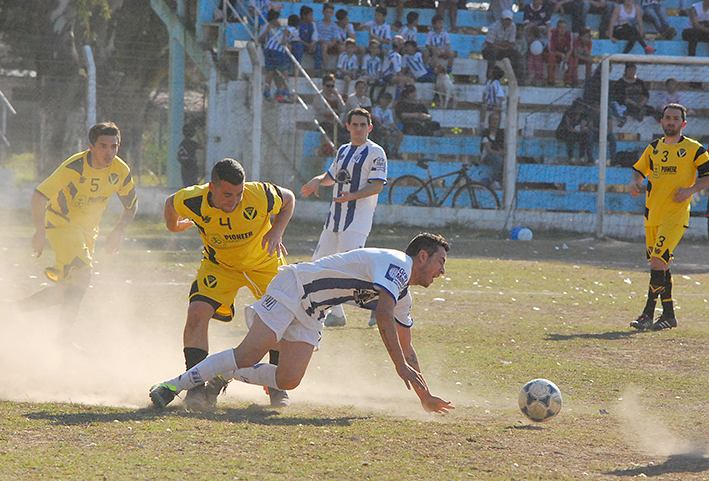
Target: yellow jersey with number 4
(232,240)
(669,167)
(78,194)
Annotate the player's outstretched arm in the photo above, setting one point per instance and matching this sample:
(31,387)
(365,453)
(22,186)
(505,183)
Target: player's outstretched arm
(682,195)
(38,207)
(173,221)
(115,237)
(273,239)
(311,187)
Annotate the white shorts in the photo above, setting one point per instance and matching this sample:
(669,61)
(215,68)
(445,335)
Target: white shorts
(280,309)
(338,242)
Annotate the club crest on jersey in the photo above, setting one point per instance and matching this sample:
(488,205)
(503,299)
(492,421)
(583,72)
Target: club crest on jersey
(113,179)
(268,302)
(250,213)
(681,153)
(397,275)
(343,176)
(210,281)
(216,240)
(363,296)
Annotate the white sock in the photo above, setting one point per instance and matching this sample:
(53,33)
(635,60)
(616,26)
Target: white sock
(220,363)
(260,374)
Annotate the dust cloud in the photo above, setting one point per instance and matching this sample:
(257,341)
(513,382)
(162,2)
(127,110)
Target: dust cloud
(653,434)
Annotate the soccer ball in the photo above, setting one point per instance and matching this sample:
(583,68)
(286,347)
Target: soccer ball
(540,400)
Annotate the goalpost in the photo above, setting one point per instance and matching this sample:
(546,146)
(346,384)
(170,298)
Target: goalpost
(689,72)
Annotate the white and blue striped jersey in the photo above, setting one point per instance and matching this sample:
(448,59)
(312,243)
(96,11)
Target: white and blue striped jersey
(415,65)
(409,34)
(347,63)
(273,42)
(385,116)
(353,168)
(391,64)
(382,31)
(327,33)
(345,33)
(372,66)
(437,39)
(356,278)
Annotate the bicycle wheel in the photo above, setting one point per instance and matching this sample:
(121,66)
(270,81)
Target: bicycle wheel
(409,190)
(476,195)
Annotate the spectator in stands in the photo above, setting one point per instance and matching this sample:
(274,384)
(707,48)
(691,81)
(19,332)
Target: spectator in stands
(577,10)
(499,6)
(230,7)
(492,149)
(493,95)
(414,115)
(273,37)
(627,24)
(372,66)
(604,8)
(391,67)
(452,7)
(308,35)
(345,30)
(592,99)
(438,44)
(379,29)
(328,31)
(414,65)
(358,99)
(391,135)
(671,95)
(187,156)
(630,92)
(537,14)
(262,9)
(500,43)
(699,30)
(535,54)
(410,30)
(324,115)
(348,65)
(559,50)
(576,128)
(655,13)
(580,54)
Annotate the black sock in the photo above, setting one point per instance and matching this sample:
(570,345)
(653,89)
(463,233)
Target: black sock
(70,308)
(273,357)
(668,307)
(193,356)
(657,285)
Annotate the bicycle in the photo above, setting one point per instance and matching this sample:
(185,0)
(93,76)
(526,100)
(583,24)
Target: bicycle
(412,190)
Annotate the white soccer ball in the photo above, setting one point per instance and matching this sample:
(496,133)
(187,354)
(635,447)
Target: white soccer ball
(536,48)
(540,400)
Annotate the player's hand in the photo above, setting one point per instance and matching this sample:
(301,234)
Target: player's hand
(184,224)
(113,241)
(273,243)
(345,197)
(38,241)
(310,188)
(682,195)
(411,377)
(635,188)
(434,404)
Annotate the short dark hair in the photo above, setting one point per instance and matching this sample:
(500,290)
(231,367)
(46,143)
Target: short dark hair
(428,242)
(412,16)
(188,131)
(341,14)
(411,43)
(328,6)
(382,10)
(359,111)
(679,107)
(630,65)
(272,15)
(385,95)
(305,10)
(293,21)
(228,170)
(437,18)
(103,128)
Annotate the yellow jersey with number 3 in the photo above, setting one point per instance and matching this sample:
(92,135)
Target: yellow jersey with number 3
(232,240)
(669,167)
(78,194)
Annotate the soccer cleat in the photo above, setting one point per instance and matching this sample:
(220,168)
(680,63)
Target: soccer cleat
(196,398)
(279,399)
(162,394)
(372,319)
(213,389)
(649,50)
(665,322)
(333,320)
(643,322)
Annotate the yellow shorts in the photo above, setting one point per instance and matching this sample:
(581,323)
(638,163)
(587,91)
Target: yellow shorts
(661,240)
(73,249)
(218,286)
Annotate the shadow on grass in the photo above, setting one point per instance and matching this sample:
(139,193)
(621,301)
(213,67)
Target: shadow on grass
(610,336)
(254,414)
(677,463)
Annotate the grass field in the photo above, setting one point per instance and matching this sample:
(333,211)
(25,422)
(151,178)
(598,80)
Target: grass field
(635,404)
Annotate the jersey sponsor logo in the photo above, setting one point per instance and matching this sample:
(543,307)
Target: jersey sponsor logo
(681,153)
(250,213)
(668,169)
(210,281)
(343,176)
(379,164)
(80,201)
(363,296)
(237,237)
(397,275)
(113,179)
(98,200)
(268,302)
(216,240)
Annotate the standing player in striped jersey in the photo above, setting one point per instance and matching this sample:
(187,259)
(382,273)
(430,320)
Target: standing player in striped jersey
(290,316)
(66,210)
(242,248)
(677,167)
(358,174)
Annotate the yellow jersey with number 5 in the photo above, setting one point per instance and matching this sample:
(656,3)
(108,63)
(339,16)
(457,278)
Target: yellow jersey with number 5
(232,240)
(78,194)
(669,167)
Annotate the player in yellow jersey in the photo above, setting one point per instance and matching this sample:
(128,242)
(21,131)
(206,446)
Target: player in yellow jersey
(66,210)
(242,248)
(676,168)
